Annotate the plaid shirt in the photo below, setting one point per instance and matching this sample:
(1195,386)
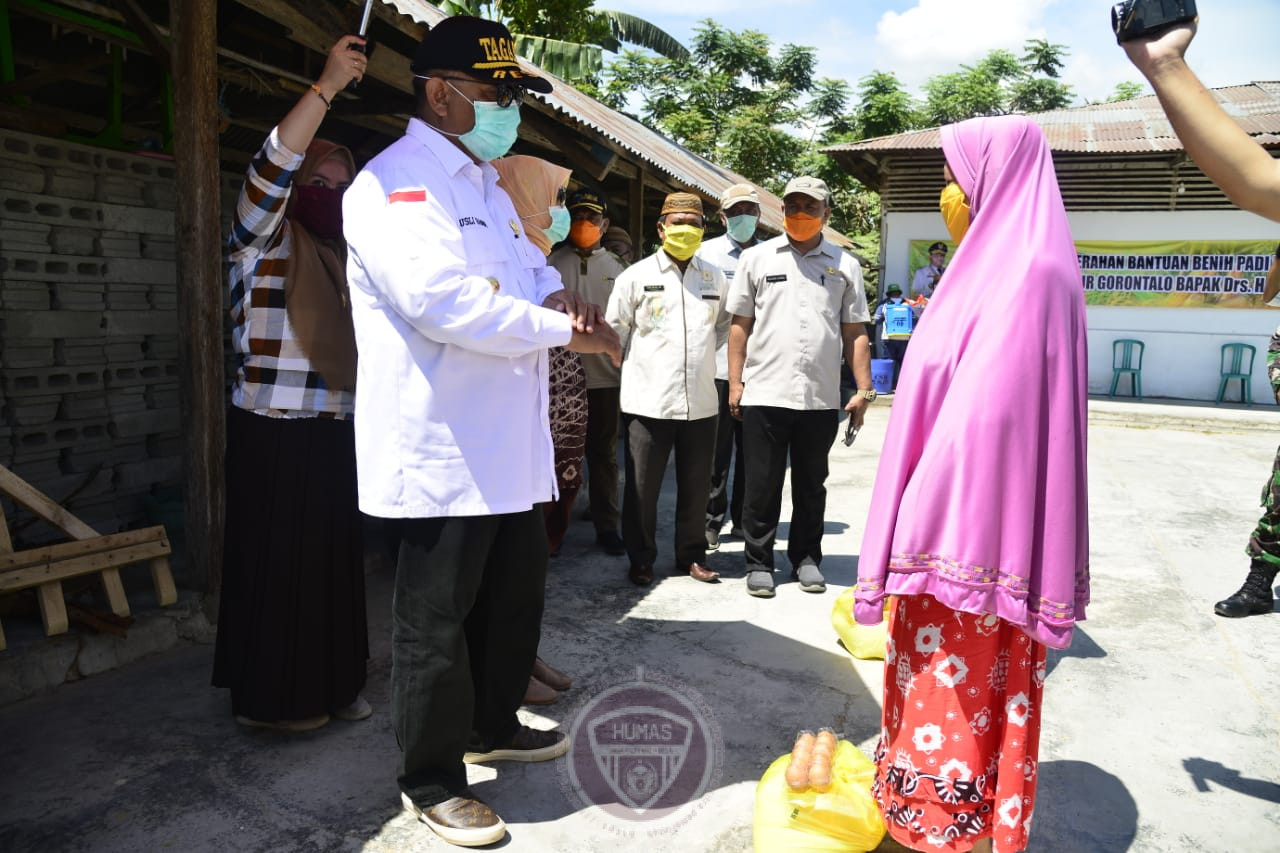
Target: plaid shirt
(274,377)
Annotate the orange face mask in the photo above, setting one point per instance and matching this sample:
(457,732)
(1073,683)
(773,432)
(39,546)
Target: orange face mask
(955,211)
(584,234)
(802,227)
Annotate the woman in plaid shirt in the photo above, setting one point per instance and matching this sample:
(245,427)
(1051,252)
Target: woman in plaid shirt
(292,637)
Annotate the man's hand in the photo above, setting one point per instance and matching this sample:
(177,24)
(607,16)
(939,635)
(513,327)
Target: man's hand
(342,66)
(1149,54)
(857,408)
(735,399)
(603,339)
(585,316)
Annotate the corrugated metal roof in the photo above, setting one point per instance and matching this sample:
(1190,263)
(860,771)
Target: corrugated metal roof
(648,145)
(1137,125)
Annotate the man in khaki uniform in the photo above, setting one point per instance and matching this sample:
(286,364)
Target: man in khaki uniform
(590,270)
(797,301)
(668,309)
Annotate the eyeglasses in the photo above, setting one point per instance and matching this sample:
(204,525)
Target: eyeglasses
(508,93)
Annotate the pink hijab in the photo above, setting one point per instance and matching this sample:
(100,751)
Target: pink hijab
(980,499)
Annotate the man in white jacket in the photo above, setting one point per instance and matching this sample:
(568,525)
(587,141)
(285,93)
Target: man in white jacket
(668,310)
(454,314)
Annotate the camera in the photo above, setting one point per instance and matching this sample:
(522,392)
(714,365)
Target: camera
(1137,18)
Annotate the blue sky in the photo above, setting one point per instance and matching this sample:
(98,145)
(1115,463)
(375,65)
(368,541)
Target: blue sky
(915,39)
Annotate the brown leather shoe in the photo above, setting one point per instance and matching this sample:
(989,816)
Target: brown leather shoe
(550,676)
(525,744)
(461,821)
(640,575)
(699,572)
(538,693)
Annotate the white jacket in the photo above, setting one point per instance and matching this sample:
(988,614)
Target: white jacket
(670,326)
(451,389)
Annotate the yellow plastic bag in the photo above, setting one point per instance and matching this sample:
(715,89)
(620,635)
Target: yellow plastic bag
(866,642)
(845,818)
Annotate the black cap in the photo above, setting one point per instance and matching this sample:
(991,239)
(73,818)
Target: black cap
(587,198)
(938,247)
(483,49)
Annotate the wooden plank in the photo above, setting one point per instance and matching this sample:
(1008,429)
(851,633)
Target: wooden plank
(76,566)
(53,610)
(38,503)
(6,544)
(80,548)
(113,589)
(162,580)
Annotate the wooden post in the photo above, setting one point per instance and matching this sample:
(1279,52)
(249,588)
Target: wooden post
(635,218)
(193,35)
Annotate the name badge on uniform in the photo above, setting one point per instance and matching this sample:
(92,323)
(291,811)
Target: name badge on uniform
(651,288)
(773,278)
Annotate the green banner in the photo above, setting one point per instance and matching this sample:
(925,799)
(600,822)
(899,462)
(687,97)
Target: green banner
(1164,274)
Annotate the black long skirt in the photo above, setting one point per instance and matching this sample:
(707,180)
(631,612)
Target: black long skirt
(292,632)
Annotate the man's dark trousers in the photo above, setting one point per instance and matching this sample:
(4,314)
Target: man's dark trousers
(728,448)
(769,433)
(602,458)
(649,445)
(467,616)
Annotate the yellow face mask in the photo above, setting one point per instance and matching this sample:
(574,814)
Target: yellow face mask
(681,241)
(955,211)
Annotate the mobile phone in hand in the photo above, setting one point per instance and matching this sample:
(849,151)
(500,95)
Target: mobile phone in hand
(850,432)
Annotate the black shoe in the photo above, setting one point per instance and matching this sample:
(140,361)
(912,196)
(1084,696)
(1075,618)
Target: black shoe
(611,542)
(640,575)
(1252,598)
(713,539)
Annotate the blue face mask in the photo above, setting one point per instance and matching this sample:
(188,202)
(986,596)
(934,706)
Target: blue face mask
(495,130)
(742,228)
(560,221)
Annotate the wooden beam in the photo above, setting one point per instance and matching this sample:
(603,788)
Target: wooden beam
(146,30)
(58,570)
(635,207)
(198,235)
(385,65)
(31,82)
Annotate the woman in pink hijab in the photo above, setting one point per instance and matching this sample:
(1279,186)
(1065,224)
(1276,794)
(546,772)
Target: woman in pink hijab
(979,518)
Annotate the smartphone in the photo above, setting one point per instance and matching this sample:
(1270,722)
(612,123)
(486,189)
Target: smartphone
(850,432)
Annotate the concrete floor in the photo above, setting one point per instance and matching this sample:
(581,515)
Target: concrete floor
(1162,722)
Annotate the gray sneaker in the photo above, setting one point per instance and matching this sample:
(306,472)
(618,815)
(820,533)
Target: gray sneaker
(811,580)
(760,584)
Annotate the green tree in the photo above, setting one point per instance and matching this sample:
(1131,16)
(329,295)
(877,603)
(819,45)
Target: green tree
(999,83)
(1126,90)
(569,37)
(884,107)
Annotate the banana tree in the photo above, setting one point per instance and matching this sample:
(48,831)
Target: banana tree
(568,37)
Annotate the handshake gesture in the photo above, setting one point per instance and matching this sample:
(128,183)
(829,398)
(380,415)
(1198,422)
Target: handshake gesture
(591,334)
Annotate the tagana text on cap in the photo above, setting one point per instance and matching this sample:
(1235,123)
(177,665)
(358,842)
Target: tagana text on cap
(681,203)
(483,49)
(586,198)
(737,193)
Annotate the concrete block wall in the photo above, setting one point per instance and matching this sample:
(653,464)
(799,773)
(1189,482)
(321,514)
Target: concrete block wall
(88,331)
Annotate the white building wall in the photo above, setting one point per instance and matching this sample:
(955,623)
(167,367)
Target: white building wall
(1182,344)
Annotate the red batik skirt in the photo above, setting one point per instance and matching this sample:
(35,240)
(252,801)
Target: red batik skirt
(957,755)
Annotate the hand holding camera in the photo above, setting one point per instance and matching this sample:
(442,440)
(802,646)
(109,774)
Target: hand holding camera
(1134,19)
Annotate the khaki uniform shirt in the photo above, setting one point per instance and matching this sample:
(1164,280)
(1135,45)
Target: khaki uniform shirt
(798,302)
(670,326)
(591,276)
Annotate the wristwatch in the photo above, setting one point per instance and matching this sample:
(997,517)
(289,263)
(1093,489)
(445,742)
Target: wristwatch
(868,393)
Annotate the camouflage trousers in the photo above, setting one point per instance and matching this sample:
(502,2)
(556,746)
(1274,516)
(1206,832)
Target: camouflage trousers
(1264,543)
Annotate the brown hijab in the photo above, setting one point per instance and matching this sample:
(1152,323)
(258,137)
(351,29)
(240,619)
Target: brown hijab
(533,184)
(315,285)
